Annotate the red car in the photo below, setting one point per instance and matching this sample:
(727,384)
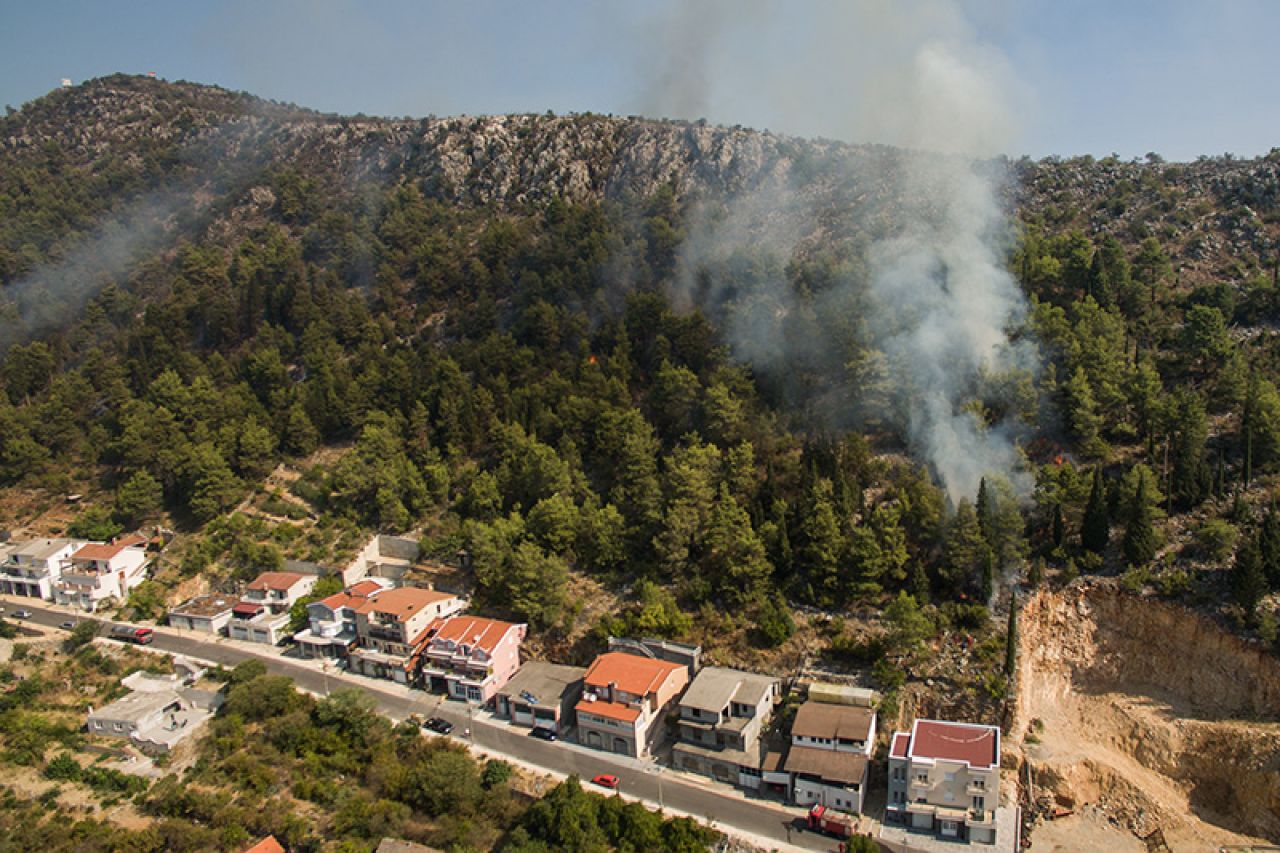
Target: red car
(605,780)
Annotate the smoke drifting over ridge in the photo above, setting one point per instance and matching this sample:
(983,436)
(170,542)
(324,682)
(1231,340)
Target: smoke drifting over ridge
(935,299)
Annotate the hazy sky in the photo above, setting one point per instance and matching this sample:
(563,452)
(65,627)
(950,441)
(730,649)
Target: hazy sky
(1177,77)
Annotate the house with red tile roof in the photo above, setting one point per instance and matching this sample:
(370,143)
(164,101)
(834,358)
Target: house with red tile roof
(262,614)
(472,658)
(99,571)
(945,777)
(331,622)
(625,697)
(393,626)
(277,591)
(266,845)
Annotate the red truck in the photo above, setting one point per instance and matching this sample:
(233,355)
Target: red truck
(838,824)
(130,634)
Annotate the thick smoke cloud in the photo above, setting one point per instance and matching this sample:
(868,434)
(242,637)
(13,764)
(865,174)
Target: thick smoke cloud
(935,299)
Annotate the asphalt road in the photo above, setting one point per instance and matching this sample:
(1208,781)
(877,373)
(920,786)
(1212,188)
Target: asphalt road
(640,780)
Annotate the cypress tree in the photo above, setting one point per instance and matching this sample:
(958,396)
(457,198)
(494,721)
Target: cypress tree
(1059,530)
(1269,547)
(988,576)
(1095,529)
(1035,575)
(920,584)
(1248,584)
(1140,543)
(1011,637)
(986,510)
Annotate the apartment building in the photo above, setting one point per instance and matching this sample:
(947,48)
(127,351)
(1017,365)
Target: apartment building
(945,777)
(722,716)
(331,622)
(32,569)
(830,754)
(472,658)
(625,698)
(391,628)
(99,571)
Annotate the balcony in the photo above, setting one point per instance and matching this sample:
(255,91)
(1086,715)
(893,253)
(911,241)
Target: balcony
(80,582)
(982,818)
(918,784)
(977,788)
(24,572)
(391,634)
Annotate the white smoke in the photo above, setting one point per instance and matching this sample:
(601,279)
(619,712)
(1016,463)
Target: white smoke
(937,301)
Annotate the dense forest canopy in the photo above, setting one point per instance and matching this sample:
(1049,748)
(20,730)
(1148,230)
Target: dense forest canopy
(525,342)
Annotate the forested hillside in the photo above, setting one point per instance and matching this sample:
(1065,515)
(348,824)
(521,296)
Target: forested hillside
(529,337)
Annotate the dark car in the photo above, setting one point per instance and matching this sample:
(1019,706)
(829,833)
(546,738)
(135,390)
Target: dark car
(542,734)
(22,614)
(438,725)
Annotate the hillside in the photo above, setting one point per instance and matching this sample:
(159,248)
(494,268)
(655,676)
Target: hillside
(654,377)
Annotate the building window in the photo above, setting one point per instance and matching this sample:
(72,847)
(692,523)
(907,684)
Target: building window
(979,803)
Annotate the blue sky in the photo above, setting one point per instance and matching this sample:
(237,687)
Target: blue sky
(1126,76)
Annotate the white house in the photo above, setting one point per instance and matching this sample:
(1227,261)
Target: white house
(262,615)
(31,569)
(96,572)
(207,613)
(830,754)
(945,777)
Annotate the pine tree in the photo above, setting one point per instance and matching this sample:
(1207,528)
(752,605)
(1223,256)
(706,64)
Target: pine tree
(1248,584)
(1095,529)
(1011,637)
(1140,544)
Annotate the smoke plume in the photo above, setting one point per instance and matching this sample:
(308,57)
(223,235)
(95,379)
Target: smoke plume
(927,289)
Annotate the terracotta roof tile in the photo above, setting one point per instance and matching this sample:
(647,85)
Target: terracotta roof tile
(629,673)
(402,603)
(474,631)
(282,581)
(608,710)
(266,845)
(901,740)
(97,551)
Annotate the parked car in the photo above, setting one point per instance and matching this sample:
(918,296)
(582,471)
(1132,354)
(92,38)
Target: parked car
(605,780)
(541,733)
(69,624)
(22,614)
(439,725)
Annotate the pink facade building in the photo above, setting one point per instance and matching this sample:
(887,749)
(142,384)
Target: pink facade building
(472,658)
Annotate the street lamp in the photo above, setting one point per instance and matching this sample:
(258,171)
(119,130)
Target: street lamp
(656,769)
